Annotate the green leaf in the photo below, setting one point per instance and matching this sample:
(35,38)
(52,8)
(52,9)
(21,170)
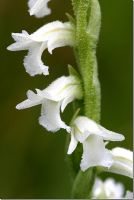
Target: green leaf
(74,116)
(83,184)
(71,19)
(73,72)
(94,23)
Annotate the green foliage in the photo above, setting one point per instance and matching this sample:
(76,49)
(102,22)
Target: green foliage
(70,18)
(83,184)
(73,72)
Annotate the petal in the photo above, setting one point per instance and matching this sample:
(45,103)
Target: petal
(32,96)
(85,125)
(110,135)
(73,143)
(98,189)
(33,100)
(65,102)
(73,92)
(39,8)
(60,39)
(63,87)
(123,162)
(47,31)
(33,63)
(20,37)
(124,153)
(81,137)
(50,116)
(95,153)
(23,41)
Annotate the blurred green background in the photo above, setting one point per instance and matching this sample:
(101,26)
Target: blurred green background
(32,163)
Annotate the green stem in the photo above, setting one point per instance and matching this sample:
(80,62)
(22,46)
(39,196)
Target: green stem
(88,21)
(87,33)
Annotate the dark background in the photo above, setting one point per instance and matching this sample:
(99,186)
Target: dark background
(32,161)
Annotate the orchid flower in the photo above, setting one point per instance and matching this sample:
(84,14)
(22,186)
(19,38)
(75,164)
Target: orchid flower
(39,8)
(123,162)
(129,195)
(50,36)
(109,189)
(53,99)
(92,136)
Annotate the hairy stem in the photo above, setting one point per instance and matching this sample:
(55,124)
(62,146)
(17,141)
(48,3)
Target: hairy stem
(87,33)
(88,21)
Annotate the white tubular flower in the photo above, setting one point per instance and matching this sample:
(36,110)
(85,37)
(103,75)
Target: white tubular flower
(55,97)
(91,135)
(53,35)
(39,8)
(123,162)
(109,189)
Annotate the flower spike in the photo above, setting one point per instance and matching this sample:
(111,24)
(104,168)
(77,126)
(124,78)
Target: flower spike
(53,99)
(39,8)
(50,36)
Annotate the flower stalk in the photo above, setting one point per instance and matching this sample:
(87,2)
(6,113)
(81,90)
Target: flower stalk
(88,21)
(87,33)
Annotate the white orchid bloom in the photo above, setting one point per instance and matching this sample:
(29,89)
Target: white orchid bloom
(129,195)
(39,8)
(109,189)
(91,135)
(55,97)
(53,35)
(123,162)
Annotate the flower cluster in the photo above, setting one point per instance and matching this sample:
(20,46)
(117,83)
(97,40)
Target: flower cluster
(109,189)
(54,99)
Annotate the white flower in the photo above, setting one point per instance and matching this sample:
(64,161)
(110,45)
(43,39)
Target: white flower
(55,97)
(39,8)
(129,195)
(109,189)
(53,35)
(123,162)
(91,135)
